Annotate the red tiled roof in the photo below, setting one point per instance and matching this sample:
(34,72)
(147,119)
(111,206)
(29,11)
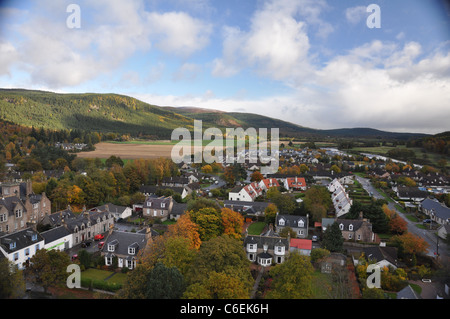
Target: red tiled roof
(301,243)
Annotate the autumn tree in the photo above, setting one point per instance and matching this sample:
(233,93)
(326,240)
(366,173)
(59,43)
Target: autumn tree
(221,254)
(217,285)
(209,222)
(232,223)
(229,175)
(12,281)
(397,224)
(270,213)
(410,244)
(256,177)
(178,253)
(185,228)
(292,279)
(48,268)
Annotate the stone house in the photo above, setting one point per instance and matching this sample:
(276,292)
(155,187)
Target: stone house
(125,246)
(299,224)
(358,230)
(157,207)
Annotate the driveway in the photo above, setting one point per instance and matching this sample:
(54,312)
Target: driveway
(429,290)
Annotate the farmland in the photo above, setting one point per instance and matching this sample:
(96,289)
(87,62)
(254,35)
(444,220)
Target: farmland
(129,150)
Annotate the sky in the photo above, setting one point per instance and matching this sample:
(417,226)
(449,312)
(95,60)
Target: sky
(318,63)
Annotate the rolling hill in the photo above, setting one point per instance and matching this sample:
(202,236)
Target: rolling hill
(126,115)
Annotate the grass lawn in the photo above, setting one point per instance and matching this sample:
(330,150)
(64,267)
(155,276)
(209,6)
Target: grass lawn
(96,274)
(412,218)
(118,278)
(320,282)
(256,228)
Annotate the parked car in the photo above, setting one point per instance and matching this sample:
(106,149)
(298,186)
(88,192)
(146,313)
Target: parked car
(85,244)
(100,244)
(314,238)
(99,237)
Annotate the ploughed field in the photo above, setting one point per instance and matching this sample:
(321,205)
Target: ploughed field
(129,150)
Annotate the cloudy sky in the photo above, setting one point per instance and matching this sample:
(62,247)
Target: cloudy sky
(316,63)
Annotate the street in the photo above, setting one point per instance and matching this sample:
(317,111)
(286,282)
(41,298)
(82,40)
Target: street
(427,235)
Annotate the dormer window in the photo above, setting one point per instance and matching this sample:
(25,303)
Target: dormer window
(281,222)
(131,250)
(350,227)
(163,205)
(112,245)
(301,223)
(34,237)
(341,226)
(149,204)
(12,245)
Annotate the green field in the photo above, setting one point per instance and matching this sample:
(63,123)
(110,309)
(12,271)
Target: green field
(433,158)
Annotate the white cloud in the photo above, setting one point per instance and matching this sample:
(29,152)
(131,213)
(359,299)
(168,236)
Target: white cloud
(178,33)
(355,14)
(276,45)
(111,32)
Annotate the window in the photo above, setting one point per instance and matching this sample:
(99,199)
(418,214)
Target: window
(301,223)
(359,236)
(27,251)
(18,213)
(36,248)
(16,256)
(350,236)
(111,247)
(3,218)
(281,222)
(34,237)
(131,250)
(12,245)
(350,227)
(341,226)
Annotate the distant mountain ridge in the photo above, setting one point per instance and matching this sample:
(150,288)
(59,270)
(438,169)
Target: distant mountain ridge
(122,114)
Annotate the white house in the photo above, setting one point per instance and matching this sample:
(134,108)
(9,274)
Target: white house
(341,201)
(119,212)
(20,246)
(59,238)
(246,193)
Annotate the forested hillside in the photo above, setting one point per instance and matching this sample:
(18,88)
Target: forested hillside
(93,112)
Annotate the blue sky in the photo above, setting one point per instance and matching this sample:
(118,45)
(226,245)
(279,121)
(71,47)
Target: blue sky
(313,63)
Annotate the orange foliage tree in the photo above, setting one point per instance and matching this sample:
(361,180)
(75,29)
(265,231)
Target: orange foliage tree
(232,223)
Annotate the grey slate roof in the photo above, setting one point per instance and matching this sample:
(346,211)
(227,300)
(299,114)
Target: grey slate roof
(381,253)
(291,221)
(439,210)
(10,203)
(123,240)
(408,293)
(55,233)
(22,239)
(347,222)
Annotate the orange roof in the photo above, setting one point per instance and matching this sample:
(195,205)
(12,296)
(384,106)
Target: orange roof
(296,182)
(301,243)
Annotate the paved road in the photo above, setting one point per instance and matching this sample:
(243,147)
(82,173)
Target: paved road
(427,235)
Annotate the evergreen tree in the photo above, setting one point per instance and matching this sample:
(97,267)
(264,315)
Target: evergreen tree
(332,238)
